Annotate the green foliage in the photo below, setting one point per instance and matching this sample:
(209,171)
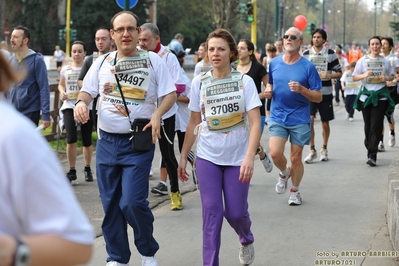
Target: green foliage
(187,18)
(395,27)
(61,145)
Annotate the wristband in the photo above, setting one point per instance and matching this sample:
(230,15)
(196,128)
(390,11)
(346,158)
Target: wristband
(78,101)
(22,254)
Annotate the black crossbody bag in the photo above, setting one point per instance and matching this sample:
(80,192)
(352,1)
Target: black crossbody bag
(141,140)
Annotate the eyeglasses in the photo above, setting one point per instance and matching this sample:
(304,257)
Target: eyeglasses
(130,30)
(292,37)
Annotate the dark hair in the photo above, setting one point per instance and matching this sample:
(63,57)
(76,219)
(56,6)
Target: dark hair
(339,46)
(353,64)
(389,40)
(322,32)
(180,57)
(103,28)
(125,12)
(81,43)
(375,37)
(225,35)
(26,31)
(250,47)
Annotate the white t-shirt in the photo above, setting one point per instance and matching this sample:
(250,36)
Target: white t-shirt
(201,67)
(35,196)
(361,67)
(59,55)
(183,113)
(109,118)
(222,148)
(70,74)
(347,78)
(174,69)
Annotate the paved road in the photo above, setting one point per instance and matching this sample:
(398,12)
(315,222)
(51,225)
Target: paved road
(343,210)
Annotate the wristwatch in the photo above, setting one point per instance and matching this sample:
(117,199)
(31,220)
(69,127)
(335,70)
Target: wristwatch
(78,101)
(22,254)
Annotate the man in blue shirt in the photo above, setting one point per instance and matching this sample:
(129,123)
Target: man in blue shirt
(293,84)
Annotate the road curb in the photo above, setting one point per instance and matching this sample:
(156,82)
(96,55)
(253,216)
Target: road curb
(393,203)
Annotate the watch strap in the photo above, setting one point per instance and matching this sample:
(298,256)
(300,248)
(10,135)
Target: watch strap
(22,254)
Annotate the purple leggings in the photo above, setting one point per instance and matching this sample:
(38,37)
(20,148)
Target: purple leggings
(220,184)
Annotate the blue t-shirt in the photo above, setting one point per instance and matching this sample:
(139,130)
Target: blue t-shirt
(289,108)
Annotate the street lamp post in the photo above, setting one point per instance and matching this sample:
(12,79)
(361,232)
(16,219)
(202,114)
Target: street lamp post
(375,18)
(68,28)
(322,18)
(343,35)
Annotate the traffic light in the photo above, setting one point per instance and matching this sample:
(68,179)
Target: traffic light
(312,28)
(242,10)
(250,12)
(73,34)
(61,34)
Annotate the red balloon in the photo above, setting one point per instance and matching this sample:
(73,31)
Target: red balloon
(300,22)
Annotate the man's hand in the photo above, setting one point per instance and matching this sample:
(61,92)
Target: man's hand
(46,124)
(81,113)
(155,125)
(268,92)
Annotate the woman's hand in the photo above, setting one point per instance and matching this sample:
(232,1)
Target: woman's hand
(181,170)
(247,169)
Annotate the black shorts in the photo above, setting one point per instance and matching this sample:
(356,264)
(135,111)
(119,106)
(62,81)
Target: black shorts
(394,94)
(325,108)
(72,131)
(59,63)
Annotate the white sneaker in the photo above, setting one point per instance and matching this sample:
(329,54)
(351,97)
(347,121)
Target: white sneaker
(115,263)
(148,261)
(246,254)
(323,155)
(391,140)
(381,147)
(311,156)
(351,119)
(267,163)
(295,198)
(281,186)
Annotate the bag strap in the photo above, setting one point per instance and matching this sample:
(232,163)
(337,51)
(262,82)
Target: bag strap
(121,92)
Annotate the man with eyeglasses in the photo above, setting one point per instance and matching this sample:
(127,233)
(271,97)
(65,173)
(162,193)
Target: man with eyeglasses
(31,96)
(104,45)
(328,67)
(129,82)
(293,83)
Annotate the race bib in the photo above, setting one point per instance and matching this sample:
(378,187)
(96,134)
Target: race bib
(377,66)
(320,61)
(71,83)
(133,74)
(223,102)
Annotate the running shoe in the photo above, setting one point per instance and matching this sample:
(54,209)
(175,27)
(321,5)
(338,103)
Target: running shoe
(281,186)
(311,156)
(295,198)
(392,141)
(323,155)
(381,147)
(176,203)
(161,188)
(246,254)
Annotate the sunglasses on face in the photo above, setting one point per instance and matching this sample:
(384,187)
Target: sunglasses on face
(292,37)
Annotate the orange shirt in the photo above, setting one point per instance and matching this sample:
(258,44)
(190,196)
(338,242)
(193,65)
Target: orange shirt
(354,55)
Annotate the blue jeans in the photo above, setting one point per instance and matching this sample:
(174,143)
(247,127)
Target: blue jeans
(122,176)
